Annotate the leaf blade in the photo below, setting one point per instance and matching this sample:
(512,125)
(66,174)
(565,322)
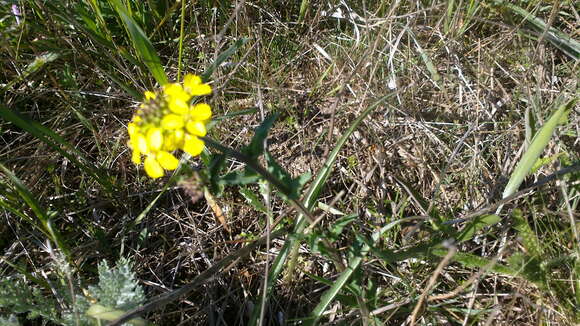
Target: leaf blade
(537,146)
(142,44)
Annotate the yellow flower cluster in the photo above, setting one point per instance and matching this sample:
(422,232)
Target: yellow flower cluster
(166,122)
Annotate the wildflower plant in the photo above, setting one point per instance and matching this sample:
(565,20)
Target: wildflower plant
(167,121)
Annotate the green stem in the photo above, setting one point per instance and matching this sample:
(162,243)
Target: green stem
(252,164)
(181,33)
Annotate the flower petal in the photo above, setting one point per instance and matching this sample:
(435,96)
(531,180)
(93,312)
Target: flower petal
(136,156)
(172,121)
(196,128)
(201,111)
(132,128)
(199,90)
(176,92)
(177,105)
(155,139)
(142,143)
(167,160)
(190,80)
(193,145)
(149,95)
(153,168)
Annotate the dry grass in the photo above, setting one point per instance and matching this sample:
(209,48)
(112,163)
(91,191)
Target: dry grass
(469,89)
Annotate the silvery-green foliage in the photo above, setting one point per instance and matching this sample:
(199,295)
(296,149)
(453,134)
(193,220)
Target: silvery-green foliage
(10,321)
(117,287)
(17,296)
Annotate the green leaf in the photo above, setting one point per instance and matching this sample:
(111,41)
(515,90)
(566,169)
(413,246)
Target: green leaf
(331,293)
(471,260)
(33,67)
(142,44)
(560,40)
(293,186)
(101,313)
(477,224)
(541,162)
(529,239)
(303,9)
(426,60)
(253,200)
(361,249)
(257,145)
(244,177)
(536,148)
(339,225)
(212,171)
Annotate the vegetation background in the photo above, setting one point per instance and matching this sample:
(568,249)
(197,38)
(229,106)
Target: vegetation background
(441,136)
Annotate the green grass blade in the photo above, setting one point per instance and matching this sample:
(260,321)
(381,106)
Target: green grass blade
(303,9)
(103,39)
(331,293)
(539,143)
(39,212)
(181,37)
(57,143)
(560,40)
(426,59)
(223,57)
(142,44)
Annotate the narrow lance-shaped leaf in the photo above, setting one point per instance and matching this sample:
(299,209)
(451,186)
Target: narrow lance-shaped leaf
(560,40)
(33,67)
(142,44)
(539,143)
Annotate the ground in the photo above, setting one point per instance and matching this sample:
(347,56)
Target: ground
(456,90)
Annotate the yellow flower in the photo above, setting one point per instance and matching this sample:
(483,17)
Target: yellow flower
(190,81)
(165,122)
(132,128)
(154,139)
(136,157)
(177,105)
(142,144)
(176,92)
(173,140)
(149,95)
